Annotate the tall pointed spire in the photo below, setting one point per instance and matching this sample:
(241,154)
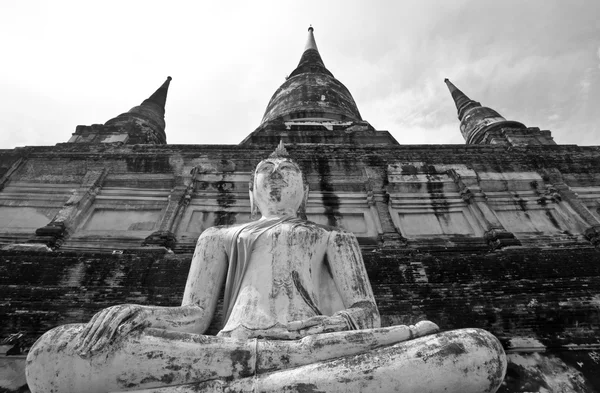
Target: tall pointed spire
(310,42)
(460,99)
(148,117)
(159,97)
(311,58)
(477,121)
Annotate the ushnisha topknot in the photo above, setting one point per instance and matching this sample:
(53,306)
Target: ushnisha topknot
(280,151)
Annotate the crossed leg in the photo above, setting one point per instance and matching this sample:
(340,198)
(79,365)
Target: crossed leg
(155,357)
(458,361)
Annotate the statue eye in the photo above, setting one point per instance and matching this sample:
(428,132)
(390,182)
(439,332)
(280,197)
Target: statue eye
(288,167)
(267,167)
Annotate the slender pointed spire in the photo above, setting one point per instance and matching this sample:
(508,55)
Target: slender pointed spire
(149,116)
(310,42)
(477,121)
(159,97)
(460,99)
(311,58)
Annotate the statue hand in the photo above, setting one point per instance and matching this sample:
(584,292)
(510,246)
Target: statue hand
(318,324)
(103,326)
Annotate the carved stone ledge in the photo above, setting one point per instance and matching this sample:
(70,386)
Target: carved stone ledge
(498,239)
(592,234)
(467,195)
(392,240)
(56,229)
(161,238)
(51,235)
(37,247)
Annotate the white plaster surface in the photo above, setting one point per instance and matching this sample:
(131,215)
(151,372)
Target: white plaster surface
(25,217)
(123,220)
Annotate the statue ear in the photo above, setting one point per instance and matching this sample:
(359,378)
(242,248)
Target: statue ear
(253,208)
(302,208)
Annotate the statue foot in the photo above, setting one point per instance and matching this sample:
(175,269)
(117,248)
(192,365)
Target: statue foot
(459,361)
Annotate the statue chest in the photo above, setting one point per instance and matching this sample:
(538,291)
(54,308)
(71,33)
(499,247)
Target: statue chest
(281,251)
(285,266)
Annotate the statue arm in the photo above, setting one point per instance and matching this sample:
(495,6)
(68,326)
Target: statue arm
(202,288)
(206,276)
(350,277)
(207,272)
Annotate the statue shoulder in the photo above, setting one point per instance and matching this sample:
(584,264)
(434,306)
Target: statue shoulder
(325,230)
(221,232)
(339,236)
(332,231)
(214,234)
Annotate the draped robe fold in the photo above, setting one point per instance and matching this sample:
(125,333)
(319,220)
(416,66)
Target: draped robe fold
(239,254)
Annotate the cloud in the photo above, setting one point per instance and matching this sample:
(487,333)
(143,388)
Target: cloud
(528,60)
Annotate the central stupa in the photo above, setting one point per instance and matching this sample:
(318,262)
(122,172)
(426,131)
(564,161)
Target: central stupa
(311,92)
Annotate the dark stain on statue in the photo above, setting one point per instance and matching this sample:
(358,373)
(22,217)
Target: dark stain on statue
(454,348)
(304,293)
(153,354)
(147,380)
(241,361)
(173,367)
(285,359)
(494,378)
(303,388)
(331,201)
(167,379)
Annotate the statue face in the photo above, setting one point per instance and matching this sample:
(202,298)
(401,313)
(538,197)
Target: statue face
(278,187)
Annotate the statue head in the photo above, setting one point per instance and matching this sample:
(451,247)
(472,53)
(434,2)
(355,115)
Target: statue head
(277,187)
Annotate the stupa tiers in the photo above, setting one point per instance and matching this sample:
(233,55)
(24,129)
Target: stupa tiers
(498,234)
(312,106)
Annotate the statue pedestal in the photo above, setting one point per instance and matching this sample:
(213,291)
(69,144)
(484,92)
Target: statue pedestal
(460,361)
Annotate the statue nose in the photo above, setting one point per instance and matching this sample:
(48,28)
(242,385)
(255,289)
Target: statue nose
(276,174)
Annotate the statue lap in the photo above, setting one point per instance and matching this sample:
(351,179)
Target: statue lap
(377,360)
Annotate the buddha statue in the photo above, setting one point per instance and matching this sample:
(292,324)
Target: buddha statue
(299,316)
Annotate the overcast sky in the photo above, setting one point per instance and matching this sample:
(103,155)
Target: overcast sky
(65,63)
